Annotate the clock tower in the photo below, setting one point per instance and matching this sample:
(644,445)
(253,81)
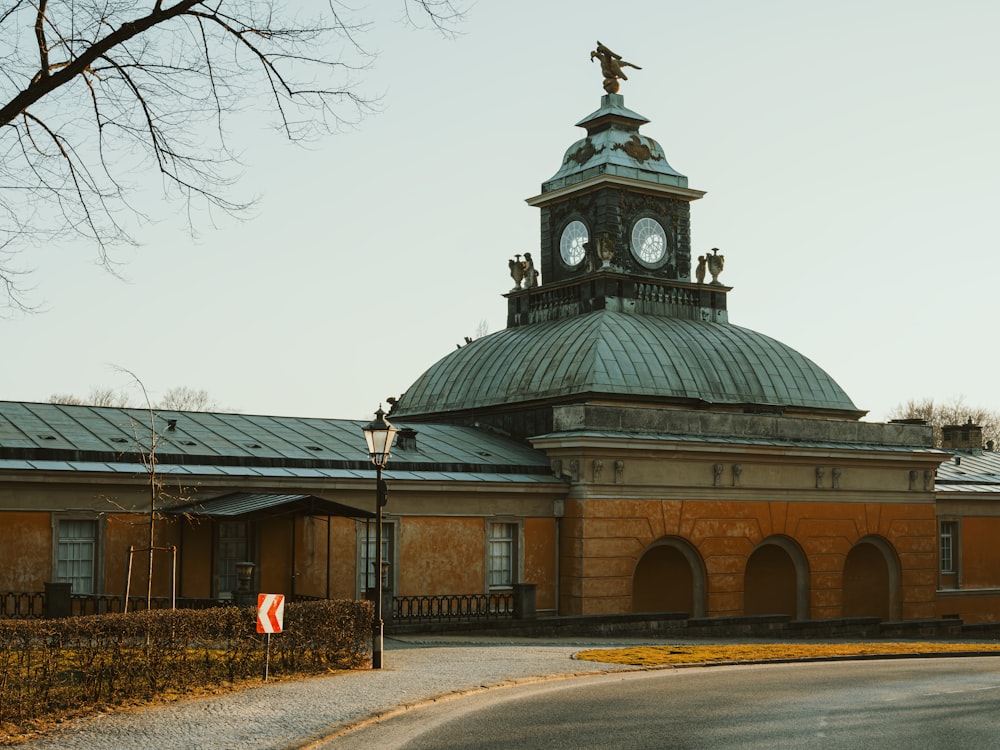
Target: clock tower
(616,225)
(616,192)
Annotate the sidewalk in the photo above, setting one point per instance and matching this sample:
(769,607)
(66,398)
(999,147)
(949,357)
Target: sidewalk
(298,713)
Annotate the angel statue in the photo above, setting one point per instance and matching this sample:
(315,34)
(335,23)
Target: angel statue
(530,272)
(699,273)
(611,67)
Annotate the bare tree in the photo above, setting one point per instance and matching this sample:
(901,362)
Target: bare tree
(953,412)
(92,92)
(98,396)
(179,398)
(182,398)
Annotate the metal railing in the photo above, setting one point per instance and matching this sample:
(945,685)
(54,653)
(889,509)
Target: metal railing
(31,605)
(453,608)
(22,605)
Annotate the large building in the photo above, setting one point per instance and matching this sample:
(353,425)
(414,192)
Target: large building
(622,445)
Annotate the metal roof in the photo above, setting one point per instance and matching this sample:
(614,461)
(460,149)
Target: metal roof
(93,438)
(246,504)
(620,354)
(970,471)
(254,472)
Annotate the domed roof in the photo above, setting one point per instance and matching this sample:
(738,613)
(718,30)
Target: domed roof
(629,356)
(615,147)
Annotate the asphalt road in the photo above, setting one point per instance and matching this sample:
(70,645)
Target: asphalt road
(916,704)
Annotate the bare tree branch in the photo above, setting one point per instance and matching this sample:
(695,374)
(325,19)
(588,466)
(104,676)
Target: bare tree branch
(101,88)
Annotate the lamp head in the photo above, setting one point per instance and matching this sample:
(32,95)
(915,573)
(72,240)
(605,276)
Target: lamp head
(379,435)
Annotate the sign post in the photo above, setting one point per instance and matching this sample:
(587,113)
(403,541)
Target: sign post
(270,619)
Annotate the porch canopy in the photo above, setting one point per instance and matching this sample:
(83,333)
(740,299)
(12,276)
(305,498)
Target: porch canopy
(239,504)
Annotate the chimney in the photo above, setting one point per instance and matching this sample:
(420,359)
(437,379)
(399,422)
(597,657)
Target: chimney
(406,439)
(962,437)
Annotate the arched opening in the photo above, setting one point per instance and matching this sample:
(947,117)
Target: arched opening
(871,580)
(669,577)
(777,580)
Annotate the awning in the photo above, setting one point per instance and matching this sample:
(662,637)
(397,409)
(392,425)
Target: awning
(245,503)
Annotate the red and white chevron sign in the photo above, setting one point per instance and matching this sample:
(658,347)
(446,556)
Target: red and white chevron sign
(270,612)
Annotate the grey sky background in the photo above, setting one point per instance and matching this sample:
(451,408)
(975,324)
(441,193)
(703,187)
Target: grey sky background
(849,152)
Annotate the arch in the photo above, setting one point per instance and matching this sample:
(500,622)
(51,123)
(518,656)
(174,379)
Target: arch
(669,577)
(872,580)
(776,581)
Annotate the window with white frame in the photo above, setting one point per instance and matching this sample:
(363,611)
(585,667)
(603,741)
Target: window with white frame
(501,554)
(76,554)
(366,556)
(949,546)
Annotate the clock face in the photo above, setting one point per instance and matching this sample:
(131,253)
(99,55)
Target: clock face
(571,245)
(649,241)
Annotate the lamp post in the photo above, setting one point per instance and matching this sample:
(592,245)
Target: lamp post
(379,435)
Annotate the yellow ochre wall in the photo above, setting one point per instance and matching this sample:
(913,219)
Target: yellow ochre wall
(25,551)
(603,540)
(973,592)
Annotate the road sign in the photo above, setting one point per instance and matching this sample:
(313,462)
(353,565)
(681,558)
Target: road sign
(270,612)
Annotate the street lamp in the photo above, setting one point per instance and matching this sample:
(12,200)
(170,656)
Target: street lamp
(379,436)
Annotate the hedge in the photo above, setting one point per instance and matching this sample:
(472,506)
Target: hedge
(60,668)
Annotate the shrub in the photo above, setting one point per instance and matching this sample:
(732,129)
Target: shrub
(51,668)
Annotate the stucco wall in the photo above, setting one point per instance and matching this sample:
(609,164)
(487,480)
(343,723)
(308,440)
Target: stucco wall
(197,563)
(343,570)
(970,606)
(603,540)
(540,562)
(441,556)
(122,531)
(274,557)
(980,552)
(25,551)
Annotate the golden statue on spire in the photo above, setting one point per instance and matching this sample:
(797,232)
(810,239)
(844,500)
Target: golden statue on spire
(611,67)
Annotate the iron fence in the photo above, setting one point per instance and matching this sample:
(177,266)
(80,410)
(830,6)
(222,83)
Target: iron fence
(453,608)
(31,605)
(22,605)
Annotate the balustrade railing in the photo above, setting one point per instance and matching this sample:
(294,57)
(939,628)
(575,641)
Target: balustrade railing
(22,605)
(453,608)
(31,605)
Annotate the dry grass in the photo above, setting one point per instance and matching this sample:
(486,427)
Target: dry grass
(652,656)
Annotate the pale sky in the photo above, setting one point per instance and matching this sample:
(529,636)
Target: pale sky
(849,152)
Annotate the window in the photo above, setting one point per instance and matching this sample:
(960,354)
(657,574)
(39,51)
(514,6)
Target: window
(949,540)
(366,556)
(76,555)
(234,547)
(501,554)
